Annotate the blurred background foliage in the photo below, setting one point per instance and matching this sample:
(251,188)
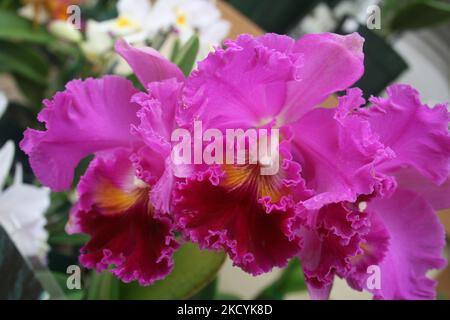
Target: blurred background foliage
(400,15)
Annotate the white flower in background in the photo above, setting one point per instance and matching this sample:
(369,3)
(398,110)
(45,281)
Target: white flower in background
(131,22)
(199,17)
(3,103)
(65,30)
(98,48)
(98,42)
(100,36)
(320,20)
(22,208)
(139,21)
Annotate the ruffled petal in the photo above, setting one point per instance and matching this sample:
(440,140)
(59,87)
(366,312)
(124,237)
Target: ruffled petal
(148,64)
(253,222)
(416,242)
(158,113)
(156,169)
(373,248)
(416,133)
(331,63)
(243,85)
(331,238)
(339,154)
(272,79)
(157,120)
(126,231)
(437,195)
(89,116)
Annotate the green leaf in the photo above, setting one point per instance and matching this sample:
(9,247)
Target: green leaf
(194,269)
(103,286)
(59,203)
(19,280)
(291,280)
(207,293)
(20,30)
(227,296)
(175,50)
(100,10)
(61,279)
(185,59)
(66,239)
(33,91)
(16,28)
(15,120)
(25,61)
(420,14)
(136,83)
(81,169)
(10,4)
(442,296)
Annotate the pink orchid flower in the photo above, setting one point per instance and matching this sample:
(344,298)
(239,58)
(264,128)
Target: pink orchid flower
(274,81)
(396,227)
(115,205)
(337,201)
(349,178)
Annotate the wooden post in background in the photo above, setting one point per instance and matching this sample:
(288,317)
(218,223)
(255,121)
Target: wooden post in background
(239,22)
